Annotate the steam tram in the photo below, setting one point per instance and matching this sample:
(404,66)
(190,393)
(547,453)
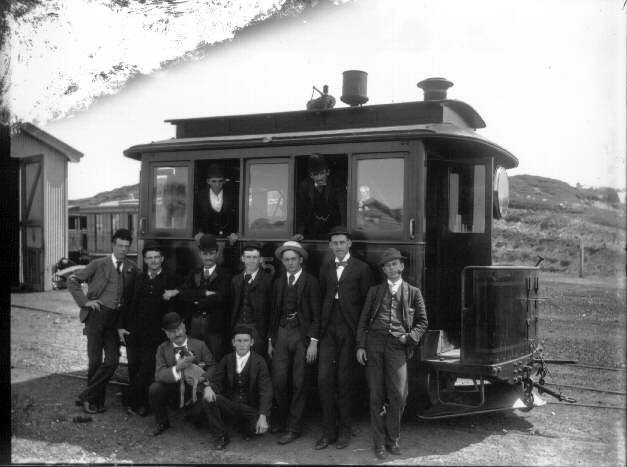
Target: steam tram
(419,178)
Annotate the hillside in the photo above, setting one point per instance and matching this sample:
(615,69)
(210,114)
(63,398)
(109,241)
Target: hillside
(546,217)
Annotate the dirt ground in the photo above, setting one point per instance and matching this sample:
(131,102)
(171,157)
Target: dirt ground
(584,321)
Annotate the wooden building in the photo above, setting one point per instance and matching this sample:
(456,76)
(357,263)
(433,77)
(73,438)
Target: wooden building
(43,175)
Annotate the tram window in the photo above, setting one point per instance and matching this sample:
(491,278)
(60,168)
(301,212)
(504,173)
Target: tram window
(467,199)
(268,184)
(115,222)
(100,240)
(83,222)
(169,197)
(73,224)
(379,193)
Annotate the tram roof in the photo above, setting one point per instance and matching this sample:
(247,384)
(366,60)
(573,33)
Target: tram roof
(447,124)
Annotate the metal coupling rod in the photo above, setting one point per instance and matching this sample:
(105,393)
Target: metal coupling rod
(558,395)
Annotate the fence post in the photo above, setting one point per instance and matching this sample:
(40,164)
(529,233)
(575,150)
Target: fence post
(581,249)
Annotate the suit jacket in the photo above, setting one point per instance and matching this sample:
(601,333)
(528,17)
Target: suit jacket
(353,286)
(414,315)
(165,359)
(217,305)
(259,385)
(97,274)
(135,318)
(307,306)
(213,222)
(260,298)
(335,196)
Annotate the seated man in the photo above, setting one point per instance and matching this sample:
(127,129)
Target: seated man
(240,388)
(217,207)
(320,202)
(169,364)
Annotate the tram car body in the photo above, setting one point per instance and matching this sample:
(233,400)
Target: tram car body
(418,178)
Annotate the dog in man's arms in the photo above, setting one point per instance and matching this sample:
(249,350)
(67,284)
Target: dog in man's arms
(191,375)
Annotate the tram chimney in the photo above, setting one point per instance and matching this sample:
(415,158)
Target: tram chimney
(354,87)
(434,88)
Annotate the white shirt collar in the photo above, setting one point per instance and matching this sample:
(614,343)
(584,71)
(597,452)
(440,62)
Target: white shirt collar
(241,361)
(216,200)
(296,276)
(153,276)
(184,344)
(115,261)
(252,275)
(346,258)
(395,285)
(211,269)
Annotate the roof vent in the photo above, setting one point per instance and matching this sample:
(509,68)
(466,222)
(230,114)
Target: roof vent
(354,87)
(434,88)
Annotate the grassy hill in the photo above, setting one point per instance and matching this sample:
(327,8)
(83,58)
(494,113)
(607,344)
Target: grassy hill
(549,218)
(546,217)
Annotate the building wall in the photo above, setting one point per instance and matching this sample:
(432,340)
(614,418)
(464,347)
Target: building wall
(54,176)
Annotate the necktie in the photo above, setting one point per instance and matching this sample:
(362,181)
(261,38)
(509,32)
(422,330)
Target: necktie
(206,273)
(247,278)
(341,264)
(291,280)
(179,349)
(118,266)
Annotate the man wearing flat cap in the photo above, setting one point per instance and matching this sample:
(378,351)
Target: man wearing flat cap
(293,338)
(239,389)
(344,283)
(320,201)
(206,294)
(252,295)
(217,206)
(155,294)
(173,356)
(391,324)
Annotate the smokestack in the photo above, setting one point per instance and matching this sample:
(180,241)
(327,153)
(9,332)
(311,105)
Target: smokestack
(434,88)
(354,87)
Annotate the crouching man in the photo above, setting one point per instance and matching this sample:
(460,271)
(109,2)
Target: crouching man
(173,357)
(391,323)
(240,389)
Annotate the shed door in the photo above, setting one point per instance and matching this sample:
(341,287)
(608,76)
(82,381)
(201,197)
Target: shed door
(32,222)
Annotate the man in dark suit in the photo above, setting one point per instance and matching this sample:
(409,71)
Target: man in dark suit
(170,361)
(217,206)
(293,337)
(206,291)
(110,286)
(320,201)
(252,294)
(241,389)
(391,324)
(344,283)
(155,292)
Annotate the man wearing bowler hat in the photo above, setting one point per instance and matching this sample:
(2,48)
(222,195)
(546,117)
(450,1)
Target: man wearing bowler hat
(391,324)
(293,338)
(252,295)
(173,356)
(240,389)
(320,201)
(344,283)
(217,206)
(206,293)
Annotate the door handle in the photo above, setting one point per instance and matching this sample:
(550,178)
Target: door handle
(412,228)
(142,225)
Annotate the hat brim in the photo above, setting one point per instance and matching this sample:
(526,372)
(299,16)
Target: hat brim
(301,251)
(387,260)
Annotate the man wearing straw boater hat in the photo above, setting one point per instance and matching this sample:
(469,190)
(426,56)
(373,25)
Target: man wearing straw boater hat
(391,324)
(293,337)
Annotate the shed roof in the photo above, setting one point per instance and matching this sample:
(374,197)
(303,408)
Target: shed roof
(68,151)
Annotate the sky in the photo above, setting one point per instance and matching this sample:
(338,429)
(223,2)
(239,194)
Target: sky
(548,77)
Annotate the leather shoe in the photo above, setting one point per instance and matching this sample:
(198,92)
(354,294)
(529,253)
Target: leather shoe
(88,407)
(323,443)
(343,440)
(161,427)
(379,451)
(288,437)
(222,442)
(277,429)
(393,449)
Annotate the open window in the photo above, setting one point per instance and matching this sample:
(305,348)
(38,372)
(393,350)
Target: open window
(467,198)
(170,197)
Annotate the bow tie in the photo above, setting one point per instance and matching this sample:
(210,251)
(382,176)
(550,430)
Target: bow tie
(341,264)
(179,349)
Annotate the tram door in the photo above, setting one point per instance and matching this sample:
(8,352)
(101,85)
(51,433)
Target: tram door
(459,197)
